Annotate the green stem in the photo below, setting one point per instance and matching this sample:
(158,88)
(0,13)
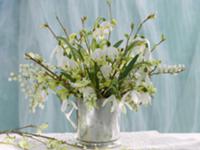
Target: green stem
(110,15)
(51,31)
(62,26)
(51,73)
(86,42)
(151,16)
(25,127)
(127,42)
(156,45)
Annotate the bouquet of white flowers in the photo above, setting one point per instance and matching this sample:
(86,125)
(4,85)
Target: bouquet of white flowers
(90,67)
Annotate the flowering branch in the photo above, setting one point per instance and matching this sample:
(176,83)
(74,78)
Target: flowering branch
(109,2)
(160,42)
(151,16)
(23,142)
(49,72)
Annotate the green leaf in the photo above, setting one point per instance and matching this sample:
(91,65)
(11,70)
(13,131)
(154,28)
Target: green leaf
(163,38)
(132,26)
(126,70)
(96,69)
(52,84)
(117,44)
(68,76)
(126,35)
(94,44)
(93,75)
(104,43)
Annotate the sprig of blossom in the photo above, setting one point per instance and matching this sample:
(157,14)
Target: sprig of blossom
(170,69)
(26,140)
(31,78)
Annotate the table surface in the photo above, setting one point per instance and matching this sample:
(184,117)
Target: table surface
(147,140)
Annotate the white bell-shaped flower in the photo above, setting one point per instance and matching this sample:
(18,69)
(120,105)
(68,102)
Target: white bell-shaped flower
(106,71)
(143,49)
(110,52)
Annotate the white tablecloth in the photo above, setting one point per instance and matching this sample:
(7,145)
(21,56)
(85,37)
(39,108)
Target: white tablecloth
(148,140)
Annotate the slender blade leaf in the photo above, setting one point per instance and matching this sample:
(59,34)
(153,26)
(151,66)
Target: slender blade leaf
(96,69)
(127,69)
(93,75)
(117,44)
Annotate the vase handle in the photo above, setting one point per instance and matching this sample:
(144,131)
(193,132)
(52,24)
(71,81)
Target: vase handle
(68,107)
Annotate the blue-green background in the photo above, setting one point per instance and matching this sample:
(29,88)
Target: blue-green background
(176,105)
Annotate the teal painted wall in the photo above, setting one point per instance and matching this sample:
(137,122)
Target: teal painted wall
(9,24)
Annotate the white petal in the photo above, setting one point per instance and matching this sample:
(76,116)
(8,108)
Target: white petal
(111,52)
(145,98)
(97,54)
(106,70)
(134,97)
(69,62)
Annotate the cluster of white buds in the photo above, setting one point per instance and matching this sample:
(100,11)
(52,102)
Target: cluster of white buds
(171,69)
(27,77)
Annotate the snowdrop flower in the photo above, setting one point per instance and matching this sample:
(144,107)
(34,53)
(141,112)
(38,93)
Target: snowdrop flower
(137,98)
(106,71)
(102,31)
(143,49)
(111,52)
(140,75)
(69,62)
(140,98)
(144,98)
(131,96)
(99,34)
(58,54)
(147,50)
(61,59)
(97,54)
